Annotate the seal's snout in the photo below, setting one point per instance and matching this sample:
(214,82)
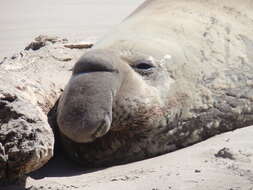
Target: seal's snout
(85,108)
(84,129)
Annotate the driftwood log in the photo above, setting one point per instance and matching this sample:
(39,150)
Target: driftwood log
(30,83)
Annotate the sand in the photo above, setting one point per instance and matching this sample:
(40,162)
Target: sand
(223,162)
(22,21)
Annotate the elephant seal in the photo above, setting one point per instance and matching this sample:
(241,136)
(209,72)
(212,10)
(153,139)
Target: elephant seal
(173,73)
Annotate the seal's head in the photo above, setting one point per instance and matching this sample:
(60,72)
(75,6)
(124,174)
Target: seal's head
(113,90)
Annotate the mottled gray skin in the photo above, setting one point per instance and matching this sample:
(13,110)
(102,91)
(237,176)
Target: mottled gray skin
(174,73)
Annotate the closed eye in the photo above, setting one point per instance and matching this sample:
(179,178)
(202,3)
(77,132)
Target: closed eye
(144,66)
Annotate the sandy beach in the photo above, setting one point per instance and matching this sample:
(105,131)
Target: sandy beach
(21,21)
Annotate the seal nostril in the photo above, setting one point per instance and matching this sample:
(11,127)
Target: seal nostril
(99,130)
(102,128)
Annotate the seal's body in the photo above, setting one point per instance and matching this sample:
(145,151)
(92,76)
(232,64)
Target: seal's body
(173,73)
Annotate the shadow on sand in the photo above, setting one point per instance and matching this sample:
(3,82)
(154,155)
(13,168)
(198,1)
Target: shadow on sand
(60,166)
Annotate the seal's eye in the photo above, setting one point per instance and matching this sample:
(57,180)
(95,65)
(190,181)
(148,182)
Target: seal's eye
(143,67)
